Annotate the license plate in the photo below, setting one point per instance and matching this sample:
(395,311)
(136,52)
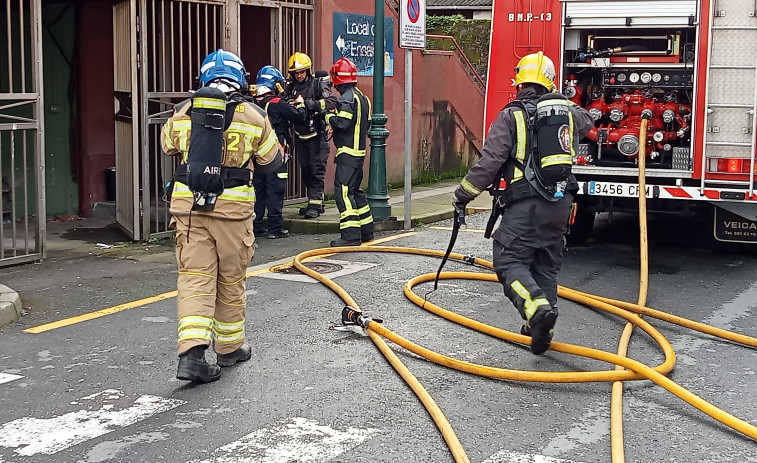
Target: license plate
(627,190)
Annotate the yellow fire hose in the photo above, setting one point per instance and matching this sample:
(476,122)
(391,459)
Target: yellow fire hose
(631,369)
(616,401)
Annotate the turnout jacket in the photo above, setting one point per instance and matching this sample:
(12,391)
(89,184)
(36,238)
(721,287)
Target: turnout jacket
(249,140)
(351,122)
(282,115)
(317,90)
(503,143)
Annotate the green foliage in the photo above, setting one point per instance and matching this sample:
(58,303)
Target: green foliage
(467,33)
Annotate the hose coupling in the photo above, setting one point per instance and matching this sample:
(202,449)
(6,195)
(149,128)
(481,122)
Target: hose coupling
(354,316)
(646,114)
(469,259)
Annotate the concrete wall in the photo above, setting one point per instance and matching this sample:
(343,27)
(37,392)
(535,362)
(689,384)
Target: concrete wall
(447,105)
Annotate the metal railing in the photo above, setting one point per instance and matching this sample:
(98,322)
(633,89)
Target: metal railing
(457,50)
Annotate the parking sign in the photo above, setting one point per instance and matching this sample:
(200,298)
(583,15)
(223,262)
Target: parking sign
(412,23)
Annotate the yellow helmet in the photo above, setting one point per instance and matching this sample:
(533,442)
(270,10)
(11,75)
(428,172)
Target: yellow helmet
(537,69)
(300,62)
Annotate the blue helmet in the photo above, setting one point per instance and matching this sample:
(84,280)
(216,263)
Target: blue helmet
(224,67)
(269,76)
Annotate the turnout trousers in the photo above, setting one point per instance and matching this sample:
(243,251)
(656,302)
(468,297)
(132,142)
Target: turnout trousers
(269,194)
(212,256)
(527,252)
(355,218)
(313,153)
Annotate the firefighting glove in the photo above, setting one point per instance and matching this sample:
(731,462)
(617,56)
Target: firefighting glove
(460,199)
(312,105)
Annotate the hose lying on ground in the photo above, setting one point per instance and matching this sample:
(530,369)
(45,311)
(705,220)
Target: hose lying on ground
(633,370)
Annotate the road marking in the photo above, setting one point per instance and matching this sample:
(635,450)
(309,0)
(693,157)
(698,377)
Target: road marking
(7,377)
(510,457)
(471,230)
(31,436)
(304,441)
(252,271)
(347,268)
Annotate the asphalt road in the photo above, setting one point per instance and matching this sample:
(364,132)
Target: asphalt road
(103,390)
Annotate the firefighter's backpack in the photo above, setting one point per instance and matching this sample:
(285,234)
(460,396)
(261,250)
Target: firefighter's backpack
(550,151)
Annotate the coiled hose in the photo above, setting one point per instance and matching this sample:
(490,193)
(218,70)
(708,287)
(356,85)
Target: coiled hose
(625,369)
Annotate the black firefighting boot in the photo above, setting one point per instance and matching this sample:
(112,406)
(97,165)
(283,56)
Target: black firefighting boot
(540,327)
(343,242)
(366,238)
(240,355)
(193,367)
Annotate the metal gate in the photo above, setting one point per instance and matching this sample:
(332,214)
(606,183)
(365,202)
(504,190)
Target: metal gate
(171,38)
(22,159)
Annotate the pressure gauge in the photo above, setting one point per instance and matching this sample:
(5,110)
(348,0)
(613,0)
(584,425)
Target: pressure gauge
(621,77)
(634,77)
(656,77)
(646,78)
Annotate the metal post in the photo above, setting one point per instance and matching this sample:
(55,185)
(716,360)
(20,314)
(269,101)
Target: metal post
(377,187)
(408,136)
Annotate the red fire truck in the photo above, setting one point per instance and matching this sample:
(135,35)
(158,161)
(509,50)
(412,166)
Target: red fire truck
(693,63)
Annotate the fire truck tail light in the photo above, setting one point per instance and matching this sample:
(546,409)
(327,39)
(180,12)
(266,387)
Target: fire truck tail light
(731,166)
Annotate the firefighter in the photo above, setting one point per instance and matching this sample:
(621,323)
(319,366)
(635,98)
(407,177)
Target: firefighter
(271,187)
(311,143)
(212,207)
(528,246)
(350,125)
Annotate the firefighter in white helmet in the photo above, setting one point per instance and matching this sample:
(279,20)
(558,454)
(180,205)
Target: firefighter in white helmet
(528,245)
(212,201)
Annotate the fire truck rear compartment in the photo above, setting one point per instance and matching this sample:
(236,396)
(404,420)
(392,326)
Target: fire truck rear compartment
(616,73)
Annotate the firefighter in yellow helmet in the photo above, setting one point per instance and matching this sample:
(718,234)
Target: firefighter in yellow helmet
(522,149)
(221,137)
(310,136)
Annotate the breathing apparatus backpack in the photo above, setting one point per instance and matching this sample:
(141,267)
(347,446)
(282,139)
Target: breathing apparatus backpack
(211,114)
(547,167)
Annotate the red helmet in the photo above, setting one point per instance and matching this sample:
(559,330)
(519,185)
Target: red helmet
(343,71)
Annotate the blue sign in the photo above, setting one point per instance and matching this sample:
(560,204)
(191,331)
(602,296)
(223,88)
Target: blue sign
(353,39)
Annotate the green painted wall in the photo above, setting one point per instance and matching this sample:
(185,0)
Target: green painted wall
(58,39)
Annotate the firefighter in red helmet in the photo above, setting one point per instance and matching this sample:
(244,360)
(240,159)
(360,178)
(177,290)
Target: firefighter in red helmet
(350,123)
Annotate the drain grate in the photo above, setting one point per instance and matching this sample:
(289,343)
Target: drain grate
(320,267)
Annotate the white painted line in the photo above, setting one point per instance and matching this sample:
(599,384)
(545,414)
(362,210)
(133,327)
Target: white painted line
(304,441)
(510,457)
(347,269)
(31,436)
(7,377)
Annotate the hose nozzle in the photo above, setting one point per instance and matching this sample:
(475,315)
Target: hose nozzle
(354,316)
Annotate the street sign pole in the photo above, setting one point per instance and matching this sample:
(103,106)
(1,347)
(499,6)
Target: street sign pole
(412,36)
(376,193)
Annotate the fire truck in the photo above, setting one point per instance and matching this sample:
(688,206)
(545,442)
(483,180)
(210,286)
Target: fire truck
(693,63)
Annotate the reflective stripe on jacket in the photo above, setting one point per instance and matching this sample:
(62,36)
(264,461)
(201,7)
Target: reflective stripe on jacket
(249,135)
(351,122)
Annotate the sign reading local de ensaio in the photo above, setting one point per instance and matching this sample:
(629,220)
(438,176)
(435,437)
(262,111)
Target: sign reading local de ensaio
(412,23)
(353,39)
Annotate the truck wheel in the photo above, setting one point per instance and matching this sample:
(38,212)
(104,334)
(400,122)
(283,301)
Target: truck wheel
(581,229)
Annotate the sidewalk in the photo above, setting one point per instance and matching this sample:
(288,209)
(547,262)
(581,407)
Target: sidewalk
(430,203)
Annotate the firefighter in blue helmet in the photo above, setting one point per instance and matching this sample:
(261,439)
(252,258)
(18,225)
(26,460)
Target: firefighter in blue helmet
(270,188)
(528,246)
(350,123)
(221,137)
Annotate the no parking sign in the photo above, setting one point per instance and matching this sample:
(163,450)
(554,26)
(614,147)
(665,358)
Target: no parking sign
(412,23)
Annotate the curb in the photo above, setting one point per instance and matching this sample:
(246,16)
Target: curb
(10,306)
